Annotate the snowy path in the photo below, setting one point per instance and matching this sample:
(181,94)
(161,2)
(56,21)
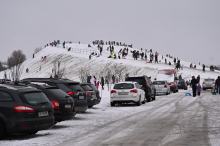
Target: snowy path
(174,120)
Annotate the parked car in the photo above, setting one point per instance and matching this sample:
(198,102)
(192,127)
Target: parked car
(70,87)
(96,91)
(208,84)
(182,84)
(173,87)
(127,92)
(90,94)
(161,87)
(146,85)
(24,109)
(62,103)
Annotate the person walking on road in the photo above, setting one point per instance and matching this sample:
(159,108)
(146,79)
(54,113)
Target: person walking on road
(199,89)
(194,85)
(102,82)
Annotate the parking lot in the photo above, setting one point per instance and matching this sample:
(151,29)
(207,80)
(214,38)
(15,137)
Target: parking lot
(175,119)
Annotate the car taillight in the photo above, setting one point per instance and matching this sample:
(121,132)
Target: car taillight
(88,94)
(133,91)
(23,109)
(71,93)
(113,91)
(55,104)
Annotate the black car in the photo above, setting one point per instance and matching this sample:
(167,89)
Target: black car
(62,103)
(70,87)
(96,91)
(147,86)
(90,94)
(24,109)
(182,84)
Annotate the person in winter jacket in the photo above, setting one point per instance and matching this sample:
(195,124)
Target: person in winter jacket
(194,85)
(102,82)
(217,84)
(199,89)
(198,79)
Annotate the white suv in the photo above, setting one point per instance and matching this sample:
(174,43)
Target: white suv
(127,92)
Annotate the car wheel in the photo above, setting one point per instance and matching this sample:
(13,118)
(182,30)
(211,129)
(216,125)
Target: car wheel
(31,132)
(2,130)
(154,96)
(139,102)
(112,104)
(90,106)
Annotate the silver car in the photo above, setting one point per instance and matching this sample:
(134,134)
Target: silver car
(208,84)
(162,87)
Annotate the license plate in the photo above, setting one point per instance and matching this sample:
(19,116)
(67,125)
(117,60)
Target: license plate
(94,97)
(67,106)
(122,93)
(81,97)
(43,114)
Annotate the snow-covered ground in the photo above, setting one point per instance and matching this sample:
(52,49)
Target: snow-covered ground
(169,121)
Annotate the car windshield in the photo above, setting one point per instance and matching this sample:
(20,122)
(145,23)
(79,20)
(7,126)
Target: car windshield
(123,86)
(86,87)
(75,87)
(159,82)
(35,98)
(57,93)
(209,80)
(93,87)
(138,80)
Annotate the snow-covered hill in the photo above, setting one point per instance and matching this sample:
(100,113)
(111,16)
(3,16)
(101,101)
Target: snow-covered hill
(75,57)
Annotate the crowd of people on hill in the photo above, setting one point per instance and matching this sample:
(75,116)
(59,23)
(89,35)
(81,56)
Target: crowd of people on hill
(122,53)
(111,43)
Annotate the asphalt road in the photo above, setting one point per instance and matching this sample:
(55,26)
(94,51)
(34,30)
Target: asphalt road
(174,120)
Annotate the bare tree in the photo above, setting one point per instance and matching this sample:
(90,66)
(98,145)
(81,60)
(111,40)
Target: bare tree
(84,72)
(58,71)
(14,64)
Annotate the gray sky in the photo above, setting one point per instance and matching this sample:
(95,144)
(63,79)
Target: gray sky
(189,29)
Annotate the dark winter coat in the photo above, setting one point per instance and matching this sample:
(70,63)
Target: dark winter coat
(194,83)
(217,82)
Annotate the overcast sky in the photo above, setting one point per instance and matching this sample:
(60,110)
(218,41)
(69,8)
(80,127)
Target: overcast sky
(189,29)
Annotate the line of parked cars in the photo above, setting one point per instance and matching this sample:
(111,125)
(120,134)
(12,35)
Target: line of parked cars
(136,90)
(38,103)
(140,89)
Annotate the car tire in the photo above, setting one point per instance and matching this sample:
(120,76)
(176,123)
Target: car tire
(90,106)
(31,132)
(139,102)
(112,104)
(2,130)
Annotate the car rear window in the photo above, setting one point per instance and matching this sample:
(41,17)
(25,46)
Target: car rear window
(75,87)
(138,80)
(123,86)
(209,80)
(158,82)
(56,93)
(35,98)
(93,87)
(86,87)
